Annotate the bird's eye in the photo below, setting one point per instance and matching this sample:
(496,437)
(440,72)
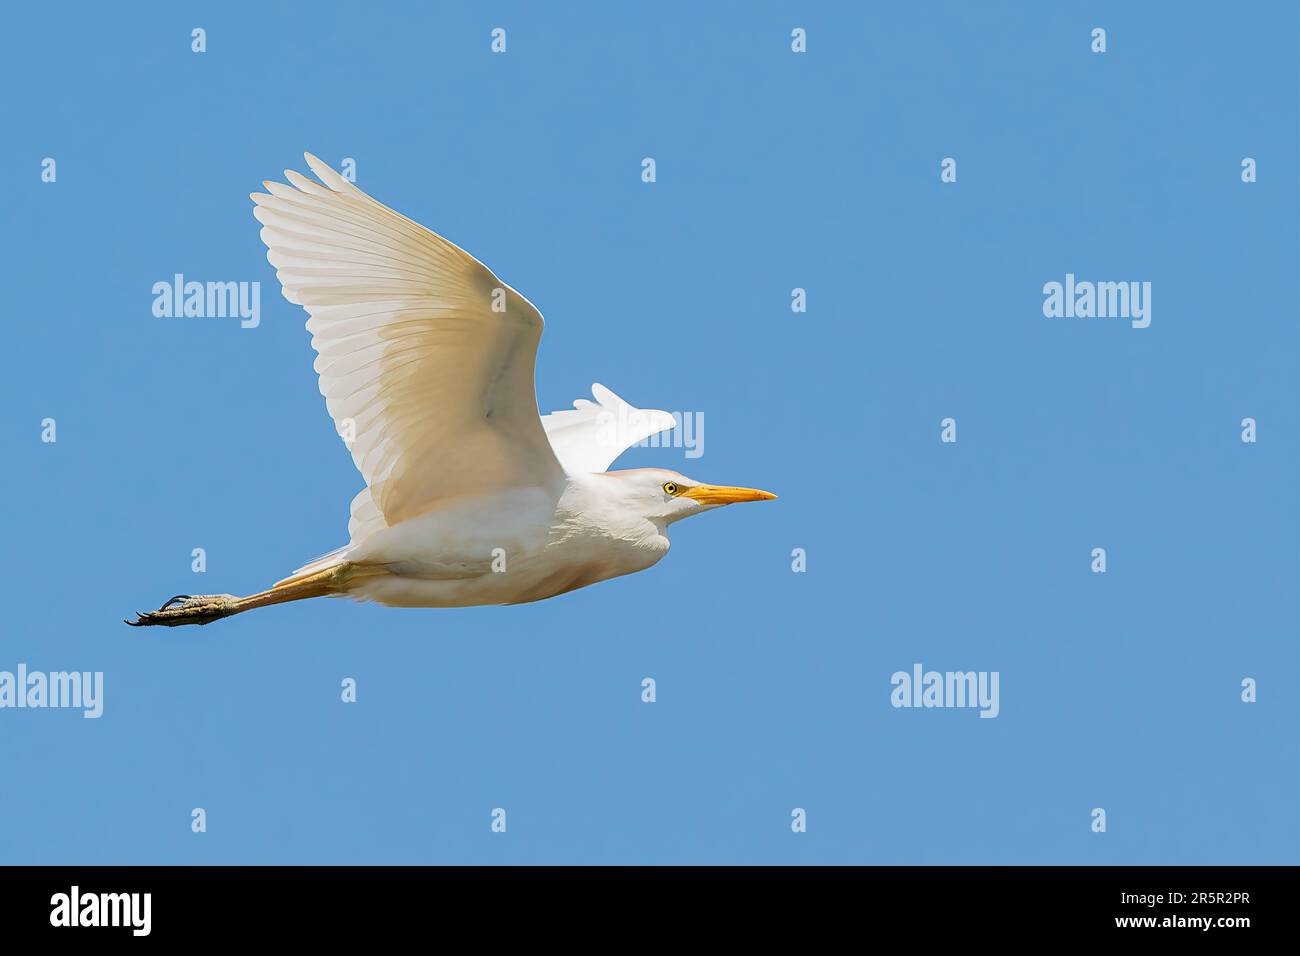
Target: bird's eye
(670,488)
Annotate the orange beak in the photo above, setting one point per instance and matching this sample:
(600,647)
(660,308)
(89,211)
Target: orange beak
(725,494)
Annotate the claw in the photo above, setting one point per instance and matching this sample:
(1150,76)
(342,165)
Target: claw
(186,609)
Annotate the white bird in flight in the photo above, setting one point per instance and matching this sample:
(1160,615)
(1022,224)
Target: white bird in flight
(426,360)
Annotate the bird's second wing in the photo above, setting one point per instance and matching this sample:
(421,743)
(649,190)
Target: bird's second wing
(425,358)
(589,436)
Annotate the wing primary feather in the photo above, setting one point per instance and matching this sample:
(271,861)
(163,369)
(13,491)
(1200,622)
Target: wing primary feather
(410,352)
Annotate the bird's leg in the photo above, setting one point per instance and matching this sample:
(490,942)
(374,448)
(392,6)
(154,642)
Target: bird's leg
(206,608)
(188,609)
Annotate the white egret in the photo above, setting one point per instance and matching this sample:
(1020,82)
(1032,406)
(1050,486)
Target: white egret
(426,361)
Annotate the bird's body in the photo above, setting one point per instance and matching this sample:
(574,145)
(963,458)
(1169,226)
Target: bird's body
(426,361)
(510,548)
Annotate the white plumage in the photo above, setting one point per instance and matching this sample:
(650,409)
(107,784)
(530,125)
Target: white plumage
(425,359)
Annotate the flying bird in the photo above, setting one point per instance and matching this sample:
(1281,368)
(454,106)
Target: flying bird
(425,360)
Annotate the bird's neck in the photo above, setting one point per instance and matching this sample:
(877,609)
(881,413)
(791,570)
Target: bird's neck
(601,503)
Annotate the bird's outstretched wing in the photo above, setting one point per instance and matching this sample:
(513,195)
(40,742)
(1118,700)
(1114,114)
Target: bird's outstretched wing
(425,357)
(589,436)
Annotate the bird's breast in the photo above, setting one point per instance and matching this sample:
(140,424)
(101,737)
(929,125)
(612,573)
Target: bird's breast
(487,554)
(576,560)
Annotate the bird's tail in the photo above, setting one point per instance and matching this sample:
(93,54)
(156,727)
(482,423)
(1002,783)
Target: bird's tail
(206,608)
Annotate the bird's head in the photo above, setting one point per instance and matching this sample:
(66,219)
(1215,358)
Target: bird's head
(665,496)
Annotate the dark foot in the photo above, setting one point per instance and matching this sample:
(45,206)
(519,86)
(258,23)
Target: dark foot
(187,609)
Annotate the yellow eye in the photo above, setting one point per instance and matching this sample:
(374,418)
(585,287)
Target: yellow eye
(670,488)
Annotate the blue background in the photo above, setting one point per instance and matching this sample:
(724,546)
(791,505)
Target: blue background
(775,170)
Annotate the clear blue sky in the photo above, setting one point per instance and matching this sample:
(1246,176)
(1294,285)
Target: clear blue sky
(775,171)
